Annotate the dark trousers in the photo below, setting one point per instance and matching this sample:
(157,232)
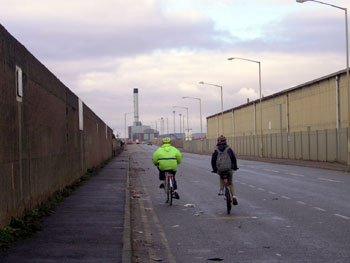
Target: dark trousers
(162,177)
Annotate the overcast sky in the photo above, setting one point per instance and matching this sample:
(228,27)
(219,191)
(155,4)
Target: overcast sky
(104,49)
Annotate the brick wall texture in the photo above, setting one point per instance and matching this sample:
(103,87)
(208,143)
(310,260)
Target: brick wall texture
(42,148)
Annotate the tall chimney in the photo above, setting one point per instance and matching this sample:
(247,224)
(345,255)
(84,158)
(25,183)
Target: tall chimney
(136,108)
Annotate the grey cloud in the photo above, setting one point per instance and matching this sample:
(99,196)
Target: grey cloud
(75,41)
(306,33)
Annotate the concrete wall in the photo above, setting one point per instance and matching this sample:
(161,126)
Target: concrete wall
(117,147)
(320,145)
(42,148)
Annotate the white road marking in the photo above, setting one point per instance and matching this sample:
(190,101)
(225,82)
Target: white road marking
(301,175)
(261,189)
(341,216)
(329,180)
(268,170)
(252,186)
(319,209)
(301,202)
(285,197)
(273,193)
(243,183)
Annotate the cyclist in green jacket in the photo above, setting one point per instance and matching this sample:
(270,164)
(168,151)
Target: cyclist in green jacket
(166,158)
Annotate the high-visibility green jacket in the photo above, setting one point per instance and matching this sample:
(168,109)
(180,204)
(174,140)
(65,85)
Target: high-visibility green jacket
(168,157)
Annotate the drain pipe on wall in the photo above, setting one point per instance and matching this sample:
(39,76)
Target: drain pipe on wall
(337,102)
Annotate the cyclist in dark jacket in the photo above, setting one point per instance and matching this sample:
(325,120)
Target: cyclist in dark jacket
(221,146)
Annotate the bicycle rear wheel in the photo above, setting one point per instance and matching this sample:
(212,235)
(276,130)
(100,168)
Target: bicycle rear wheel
(170,190)
(228,200)
(166,189)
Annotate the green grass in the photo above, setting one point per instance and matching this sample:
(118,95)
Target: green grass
(29,223)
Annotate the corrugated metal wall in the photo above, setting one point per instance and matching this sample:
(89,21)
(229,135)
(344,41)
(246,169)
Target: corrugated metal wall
(317,105)
(321,145)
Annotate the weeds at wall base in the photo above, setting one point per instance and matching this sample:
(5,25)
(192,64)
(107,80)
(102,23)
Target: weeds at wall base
(30,223)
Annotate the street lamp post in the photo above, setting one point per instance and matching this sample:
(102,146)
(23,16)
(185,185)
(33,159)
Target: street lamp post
(125,122)
(261,130)
(180,124)
(187,115)
(183,127)
(222,104)
(174,121)
(200,110)
(167,125)
(347,61)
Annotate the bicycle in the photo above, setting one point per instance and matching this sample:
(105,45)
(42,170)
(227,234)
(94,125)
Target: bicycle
(169,187)
(227,192)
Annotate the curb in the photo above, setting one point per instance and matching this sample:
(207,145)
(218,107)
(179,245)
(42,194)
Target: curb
(127,250)
(334,166)
(304,163)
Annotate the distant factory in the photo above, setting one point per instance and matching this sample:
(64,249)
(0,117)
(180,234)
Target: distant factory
(138,132)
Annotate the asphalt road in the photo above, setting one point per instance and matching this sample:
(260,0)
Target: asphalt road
(285,213)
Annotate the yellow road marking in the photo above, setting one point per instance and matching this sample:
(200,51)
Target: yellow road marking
(148,235)
(233,217)
(164,240)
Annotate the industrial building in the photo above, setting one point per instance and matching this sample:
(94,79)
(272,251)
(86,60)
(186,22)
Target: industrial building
(306,122)
(138,132)
(316,105)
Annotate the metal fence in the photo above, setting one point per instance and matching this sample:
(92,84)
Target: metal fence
(322,145)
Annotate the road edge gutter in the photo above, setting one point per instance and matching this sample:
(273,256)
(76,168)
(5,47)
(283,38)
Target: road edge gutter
(127,249)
